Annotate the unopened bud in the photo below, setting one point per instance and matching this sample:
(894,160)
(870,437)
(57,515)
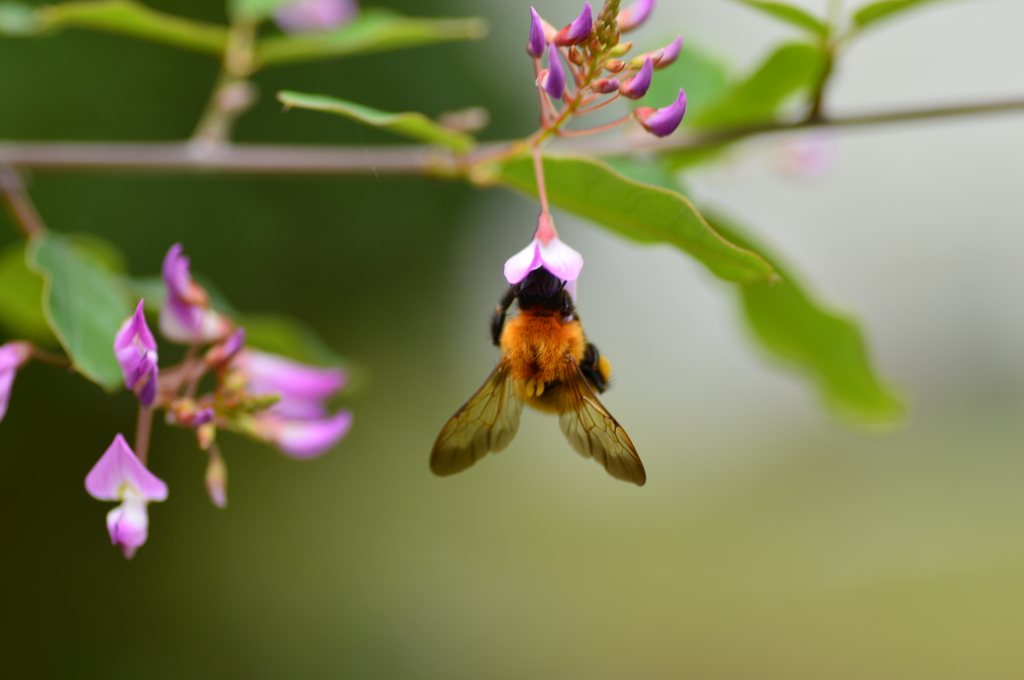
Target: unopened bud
(614,65)
(621,49)
(206,435)
(595,45)
(224,350)
(217,479)
(637,86)
(575,56)
(186,412)
(662,122)
(579,30)
(605,85)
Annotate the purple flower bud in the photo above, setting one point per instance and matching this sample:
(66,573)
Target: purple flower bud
(535,45)
(545,250)
(13,356)
(667,55)
(604,85)
(135,349)
(186,316)
(579,30)
(554,83)
(227,348)
(634,15)
(637,86)
(305,16)
(119,476)
(662,122)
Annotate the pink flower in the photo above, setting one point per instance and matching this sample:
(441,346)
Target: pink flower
(186,316)
(299,424)
(13,356)
(119,476)
(808,157)
(662,122)
(315,15)
(545,250)
(135,349)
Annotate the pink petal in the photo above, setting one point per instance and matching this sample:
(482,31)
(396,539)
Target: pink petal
(561,260)
(119,471)
(128,525)
(6,383)
(315,15)
(522,263)
(311,438)
(634,15)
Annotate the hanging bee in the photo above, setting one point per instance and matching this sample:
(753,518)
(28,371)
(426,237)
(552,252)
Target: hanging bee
(547,364)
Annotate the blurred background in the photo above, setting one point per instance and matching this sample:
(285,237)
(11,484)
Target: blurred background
(769,542)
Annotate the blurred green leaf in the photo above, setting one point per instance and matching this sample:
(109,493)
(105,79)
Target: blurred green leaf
(647,214)
(875,12)
(254,11)
(800,331)
(792,68)
(85,304)
(701,74)
(288,337)
(375,30)
(790,14)
(19,19)
(410,124)
(127,17)
(653,170)
(21,298)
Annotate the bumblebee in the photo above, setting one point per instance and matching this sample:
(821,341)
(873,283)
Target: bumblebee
(547,364)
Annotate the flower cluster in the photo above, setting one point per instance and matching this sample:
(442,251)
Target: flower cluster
(261,395)
(591,51)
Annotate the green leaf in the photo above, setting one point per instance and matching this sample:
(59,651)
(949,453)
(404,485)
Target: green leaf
(127,17)
(800,331)
(21,298)
(790,14)
(85,304)
(254,11)
(701,74)
(288,337)
(18,19)
(791,69)
(591,189)
(375,30)
(410,124)
(875,12)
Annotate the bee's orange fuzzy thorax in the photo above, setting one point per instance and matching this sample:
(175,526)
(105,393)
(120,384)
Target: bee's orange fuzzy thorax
(535,344)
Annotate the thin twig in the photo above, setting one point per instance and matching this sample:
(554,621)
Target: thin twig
(400,160)
(18,202)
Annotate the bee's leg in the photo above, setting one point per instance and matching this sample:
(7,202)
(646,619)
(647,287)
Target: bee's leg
(568,307)
(595,368)
(498,316)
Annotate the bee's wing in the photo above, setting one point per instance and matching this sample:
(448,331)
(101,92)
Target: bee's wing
(594,433)
(487,422)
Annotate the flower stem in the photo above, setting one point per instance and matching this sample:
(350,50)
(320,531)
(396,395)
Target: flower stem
(593,130)
(142,429)
(538,170)
(12,189)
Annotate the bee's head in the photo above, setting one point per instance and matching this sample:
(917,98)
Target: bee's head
(540,287)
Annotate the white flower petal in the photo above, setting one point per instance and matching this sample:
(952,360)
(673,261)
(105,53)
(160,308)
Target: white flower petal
(561,260)
(522,263)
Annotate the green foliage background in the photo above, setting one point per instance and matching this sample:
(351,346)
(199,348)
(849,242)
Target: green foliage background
(768,543)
